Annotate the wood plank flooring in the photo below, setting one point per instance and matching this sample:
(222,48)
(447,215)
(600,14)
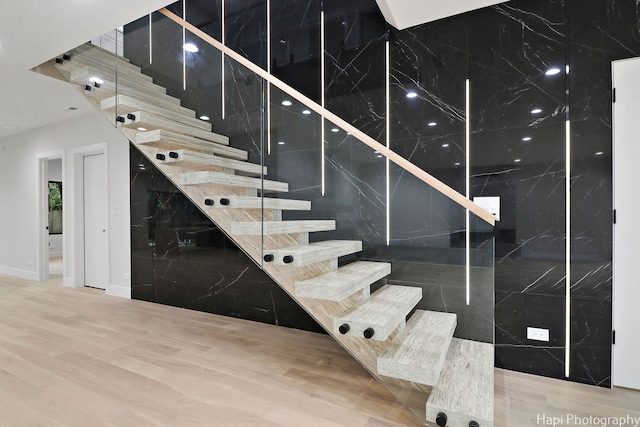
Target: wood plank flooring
(75,357)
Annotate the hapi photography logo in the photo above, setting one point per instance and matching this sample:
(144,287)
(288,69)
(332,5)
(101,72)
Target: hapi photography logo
(591,421)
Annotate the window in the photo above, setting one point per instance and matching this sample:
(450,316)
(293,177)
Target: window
(55,207)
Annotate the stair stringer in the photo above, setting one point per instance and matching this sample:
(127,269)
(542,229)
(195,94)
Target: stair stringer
(366,352)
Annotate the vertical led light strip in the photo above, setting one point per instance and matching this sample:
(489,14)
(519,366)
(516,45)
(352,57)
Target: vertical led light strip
(388,117)
(268,109)
(322,97)
(222,30)
(150,40)
(567,350)
(468,192)
(184,52)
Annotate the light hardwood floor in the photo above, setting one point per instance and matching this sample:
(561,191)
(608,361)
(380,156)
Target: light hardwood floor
(75,357)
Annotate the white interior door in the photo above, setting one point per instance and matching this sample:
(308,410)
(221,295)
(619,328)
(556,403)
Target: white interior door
(626,281)
(96,219)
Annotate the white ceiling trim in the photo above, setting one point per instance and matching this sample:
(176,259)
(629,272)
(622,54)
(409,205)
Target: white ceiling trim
(409,13)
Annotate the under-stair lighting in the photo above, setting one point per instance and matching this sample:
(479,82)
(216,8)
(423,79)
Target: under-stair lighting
(142,129)
(411,94)
(445,145)
(536,111)
(281,142)
(432,124)
(96,80)
(599,153)
(526,138)
(456,164)
(306,112)
(335,130)
(379,156)
(190,47)
(287,103)
(552,71)
(204,117)
(517,160)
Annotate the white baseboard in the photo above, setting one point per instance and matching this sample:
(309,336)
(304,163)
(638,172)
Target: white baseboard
(21,274)
(119,291)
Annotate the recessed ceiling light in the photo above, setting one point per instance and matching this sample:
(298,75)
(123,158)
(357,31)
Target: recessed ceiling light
(456,164)
(96,80)
(411,94)
(204,117)
(552,71)
(536,111)
(280,142)
(142,129)
(526,138)
(306,112)
(517,160)
(431,124)
(286,103)
(190,47)
(445,145)
(334,130)
(599,153)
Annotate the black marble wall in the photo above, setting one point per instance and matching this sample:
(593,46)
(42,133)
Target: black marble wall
(517,154)
(180,258)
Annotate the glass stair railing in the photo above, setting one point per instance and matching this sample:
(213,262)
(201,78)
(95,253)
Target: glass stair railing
(394,264)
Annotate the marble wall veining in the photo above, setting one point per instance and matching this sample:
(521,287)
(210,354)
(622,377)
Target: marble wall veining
(517,154)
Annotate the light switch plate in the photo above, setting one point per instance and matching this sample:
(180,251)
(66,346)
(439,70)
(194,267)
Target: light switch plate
(538,334)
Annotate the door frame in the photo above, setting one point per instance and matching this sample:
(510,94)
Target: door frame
(42,215)
(75,201)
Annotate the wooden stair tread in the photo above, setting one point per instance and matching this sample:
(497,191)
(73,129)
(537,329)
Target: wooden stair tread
(124,69)
(419,352)
(344,282)
(257,228)
(85,73)
(153,122)
(247,202)
(126,104)
(90,49)
(108,90)
(464,391)
(384,311)
(208,177)
(315,252)
(168,140)
(194,159)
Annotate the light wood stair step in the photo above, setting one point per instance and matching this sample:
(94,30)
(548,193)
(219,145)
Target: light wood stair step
(344,282)
(313,252)
(208,177)
(108,90)
(246,202)
(194,159)
(126,104)
(258,228)
(91,50)
(83,75)
(464,391)
(378,316)
(168,140)
(153,122)
(124,69)
(418,353)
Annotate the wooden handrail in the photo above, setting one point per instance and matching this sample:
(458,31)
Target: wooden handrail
(355,132)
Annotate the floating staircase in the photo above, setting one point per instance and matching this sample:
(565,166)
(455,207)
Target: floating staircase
(419,354)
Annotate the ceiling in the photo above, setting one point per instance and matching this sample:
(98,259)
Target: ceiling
(34,31)
(409,13)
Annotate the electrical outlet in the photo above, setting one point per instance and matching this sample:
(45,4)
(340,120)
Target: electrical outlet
(538,334)
(30,262)
(126,276)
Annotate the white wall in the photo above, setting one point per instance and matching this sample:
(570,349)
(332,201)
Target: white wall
(55,240)
(18,198)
